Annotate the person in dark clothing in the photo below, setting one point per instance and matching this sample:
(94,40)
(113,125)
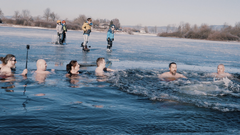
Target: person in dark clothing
(110,37)
(64,31)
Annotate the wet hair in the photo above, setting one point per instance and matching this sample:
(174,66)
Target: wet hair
(170,64)
(71,63)
(6,58)
(89,19)
(99,61)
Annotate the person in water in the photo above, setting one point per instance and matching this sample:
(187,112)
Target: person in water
(41,73)
(8,63)
(101,67)
(172,74)
(13,68)
(110,37)
(72,68)
(86,27)
(73,73)
(221,72)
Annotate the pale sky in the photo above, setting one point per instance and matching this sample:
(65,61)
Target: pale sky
(134,12)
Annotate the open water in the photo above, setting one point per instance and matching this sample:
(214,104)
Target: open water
(131,100)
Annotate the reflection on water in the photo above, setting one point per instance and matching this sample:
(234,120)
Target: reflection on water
(74,81)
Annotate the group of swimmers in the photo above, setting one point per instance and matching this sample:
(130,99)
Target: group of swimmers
(173,75)
(9,61)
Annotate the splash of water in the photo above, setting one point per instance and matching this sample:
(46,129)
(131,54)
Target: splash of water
(200,89)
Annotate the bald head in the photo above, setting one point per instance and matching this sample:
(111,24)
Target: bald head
(220,69)
(41,65)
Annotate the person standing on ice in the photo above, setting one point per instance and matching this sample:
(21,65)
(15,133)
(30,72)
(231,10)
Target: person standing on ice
(86,27)
(64,31)
(59,29)
(110,37)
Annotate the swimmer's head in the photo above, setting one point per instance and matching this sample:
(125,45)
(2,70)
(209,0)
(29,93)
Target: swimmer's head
(220,69)
(41,65)
(73,64)
(9,59)
(100,61)
(173,68)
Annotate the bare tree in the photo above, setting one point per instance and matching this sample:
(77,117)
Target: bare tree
(26,14)
(138,27)
(1,14)
(53,16)
(155,29)
(96,23)
(168,28)
(146,29)
(186,27)
(179,29)
(47,13)
(37,18)
(173,28)
(237,25)
(116,23)
(80,20)
(16,15)
(195,28)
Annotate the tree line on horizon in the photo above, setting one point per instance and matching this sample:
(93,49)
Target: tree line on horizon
(48,20)
(185,30)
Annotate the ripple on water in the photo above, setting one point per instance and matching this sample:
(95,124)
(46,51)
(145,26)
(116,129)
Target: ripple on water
(200,89)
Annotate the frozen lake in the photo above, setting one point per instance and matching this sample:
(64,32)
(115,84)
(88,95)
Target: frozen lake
(131,100)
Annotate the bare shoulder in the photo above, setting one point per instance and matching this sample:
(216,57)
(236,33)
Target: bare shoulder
(228,75)
(111,70)
(5,69)
(165,74)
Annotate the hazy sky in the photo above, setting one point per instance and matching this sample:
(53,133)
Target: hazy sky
(134,12)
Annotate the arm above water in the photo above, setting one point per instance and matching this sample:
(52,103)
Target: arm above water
(25,71)
(182,76)
(222,75)
(110,70)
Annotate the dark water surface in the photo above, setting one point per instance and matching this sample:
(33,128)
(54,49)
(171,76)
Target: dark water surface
(131,100)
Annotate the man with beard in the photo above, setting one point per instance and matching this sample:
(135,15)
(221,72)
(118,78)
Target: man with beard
(172,74)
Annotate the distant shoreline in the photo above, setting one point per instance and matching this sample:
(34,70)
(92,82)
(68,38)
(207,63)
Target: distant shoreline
(134,33)
(94,30)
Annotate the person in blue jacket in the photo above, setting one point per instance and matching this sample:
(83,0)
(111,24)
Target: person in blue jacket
(110,37)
